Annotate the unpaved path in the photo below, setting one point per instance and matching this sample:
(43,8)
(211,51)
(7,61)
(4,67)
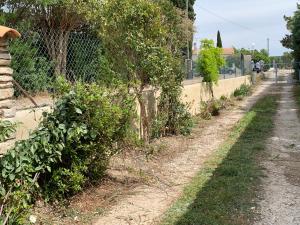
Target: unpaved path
(147,203)
(280,204)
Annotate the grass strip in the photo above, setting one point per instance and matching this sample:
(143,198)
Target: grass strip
(223,192)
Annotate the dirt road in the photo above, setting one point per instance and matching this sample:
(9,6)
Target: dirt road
(280,204)
(147,204)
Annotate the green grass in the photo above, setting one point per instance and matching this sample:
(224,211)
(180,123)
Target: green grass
(223,191)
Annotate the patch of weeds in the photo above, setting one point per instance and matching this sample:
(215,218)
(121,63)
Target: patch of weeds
(243,91)
(153,149)
(224,189)
(213,107)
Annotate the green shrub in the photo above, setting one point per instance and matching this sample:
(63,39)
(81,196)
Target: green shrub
(214,106)
(243,91)
(31,70)
(6,129)
(210,108)
(173,117)
(71,147)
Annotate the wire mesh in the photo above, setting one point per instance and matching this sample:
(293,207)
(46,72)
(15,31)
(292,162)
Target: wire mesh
(38,56)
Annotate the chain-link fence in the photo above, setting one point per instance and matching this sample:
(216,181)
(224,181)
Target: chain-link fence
(37,56)
(235,65)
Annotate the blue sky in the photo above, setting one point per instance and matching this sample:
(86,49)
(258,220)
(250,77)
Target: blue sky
(243,23)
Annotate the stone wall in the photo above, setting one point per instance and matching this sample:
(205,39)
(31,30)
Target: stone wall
(7,105)
(194,91)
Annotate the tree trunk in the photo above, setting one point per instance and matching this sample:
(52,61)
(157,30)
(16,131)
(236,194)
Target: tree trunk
(211,88)
(145,128)
(57,46)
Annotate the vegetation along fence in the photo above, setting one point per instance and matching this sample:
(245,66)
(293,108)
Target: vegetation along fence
(37,56)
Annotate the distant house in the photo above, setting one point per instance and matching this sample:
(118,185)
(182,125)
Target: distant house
(225,52)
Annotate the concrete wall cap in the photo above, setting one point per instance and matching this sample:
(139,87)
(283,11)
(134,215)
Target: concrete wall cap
(8,32)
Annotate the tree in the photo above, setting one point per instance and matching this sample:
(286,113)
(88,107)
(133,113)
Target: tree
(292,41)
(209,62)
(219,40)
(181,4)
(287,41)
(257,55)
(54,19)
(143,40)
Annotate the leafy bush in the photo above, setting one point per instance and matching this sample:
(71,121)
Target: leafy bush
(243,91)
(6,129)
(31,71)
(209,109)
(209,62)
(71,147)
(173,122)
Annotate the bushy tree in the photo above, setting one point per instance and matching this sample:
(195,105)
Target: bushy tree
(287,41)
(143,43)
(209,62)
(257,55)
(56,19)
(182,5)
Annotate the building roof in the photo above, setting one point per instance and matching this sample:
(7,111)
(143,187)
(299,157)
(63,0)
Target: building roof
(225,51)
(8,32)
(228,51)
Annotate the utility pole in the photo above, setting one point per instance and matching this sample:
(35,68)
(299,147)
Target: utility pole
(187,31)
(188,60)
(268,46)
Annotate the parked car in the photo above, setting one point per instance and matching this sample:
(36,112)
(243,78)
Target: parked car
(227,70)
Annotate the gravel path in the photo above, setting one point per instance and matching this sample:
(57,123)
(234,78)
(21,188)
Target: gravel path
(280,204)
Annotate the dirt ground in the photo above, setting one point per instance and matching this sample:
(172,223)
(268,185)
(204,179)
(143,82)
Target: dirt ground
(147,203)
(139,190)
(280,200)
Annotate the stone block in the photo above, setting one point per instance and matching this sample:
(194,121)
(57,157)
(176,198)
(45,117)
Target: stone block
(6,93)
(6,85)
(6,70)
(5,78)
(7,104)
(5,62)
(3,49)
(3,42)
(5,56)
(8,113)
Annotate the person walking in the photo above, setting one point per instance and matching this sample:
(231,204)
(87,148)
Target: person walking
(258,67)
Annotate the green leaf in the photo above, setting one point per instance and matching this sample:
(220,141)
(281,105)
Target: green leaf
(78,111)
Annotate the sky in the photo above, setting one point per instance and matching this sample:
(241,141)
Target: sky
(244,23)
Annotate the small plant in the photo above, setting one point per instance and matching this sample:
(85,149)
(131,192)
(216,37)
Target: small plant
(226,102)
(210,108)
(6,129)
(214,106)
(243,91)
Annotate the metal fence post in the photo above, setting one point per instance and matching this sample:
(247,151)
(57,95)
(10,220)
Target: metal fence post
(275,71)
